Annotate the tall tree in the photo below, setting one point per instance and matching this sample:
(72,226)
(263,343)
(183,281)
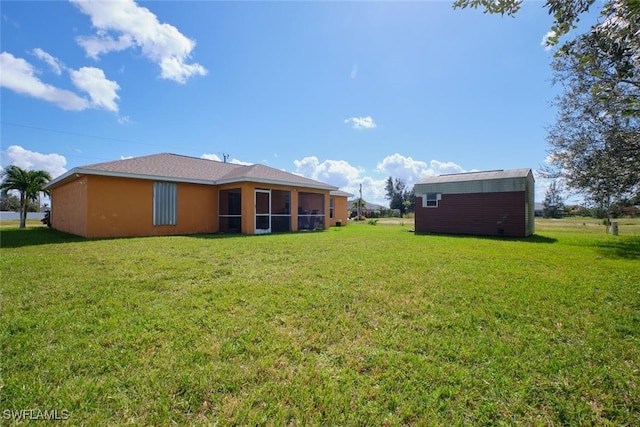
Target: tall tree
(27,183)
(566,13)
(595,142)
(397,194)
(609,57)
(553,205)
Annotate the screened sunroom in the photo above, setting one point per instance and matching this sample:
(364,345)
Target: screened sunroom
(310,211)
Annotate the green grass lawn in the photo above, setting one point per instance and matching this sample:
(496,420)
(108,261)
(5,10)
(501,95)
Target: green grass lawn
(356,325)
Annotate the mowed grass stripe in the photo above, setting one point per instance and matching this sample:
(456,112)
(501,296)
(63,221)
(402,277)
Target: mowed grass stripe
(357,325)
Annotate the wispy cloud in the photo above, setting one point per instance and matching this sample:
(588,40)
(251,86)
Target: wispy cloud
(54,63)
(361,122)
(125,120)
(9,21)
(354,71)
(123,24)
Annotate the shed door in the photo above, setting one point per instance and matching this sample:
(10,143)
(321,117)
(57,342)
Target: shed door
(263,211)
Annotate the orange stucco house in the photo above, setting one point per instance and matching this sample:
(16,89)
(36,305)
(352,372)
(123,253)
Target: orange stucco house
(168,194)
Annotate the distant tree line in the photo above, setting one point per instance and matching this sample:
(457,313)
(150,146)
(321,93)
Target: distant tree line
(399,196)
(380,212)
(11,203)
(554,206)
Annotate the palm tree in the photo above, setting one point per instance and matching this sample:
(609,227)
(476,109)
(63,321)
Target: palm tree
(27,183)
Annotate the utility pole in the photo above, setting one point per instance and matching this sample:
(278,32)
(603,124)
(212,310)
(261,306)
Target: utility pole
(360,203)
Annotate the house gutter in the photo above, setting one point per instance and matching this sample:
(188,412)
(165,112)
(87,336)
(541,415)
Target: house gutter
(78,172)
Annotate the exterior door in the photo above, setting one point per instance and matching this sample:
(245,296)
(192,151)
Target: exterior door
(263,211)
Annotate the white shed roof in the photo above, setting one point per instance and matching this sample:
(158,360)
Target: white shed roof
(476,182)
(476,176)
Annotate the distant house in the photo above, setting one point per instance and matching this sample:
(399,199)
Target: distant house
(492,203)
(539,209)
(168,194)
(367,210)
(632,211)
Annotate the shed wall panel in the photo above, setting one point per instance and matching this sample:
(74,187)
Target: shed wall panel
(530,206)
(490,214)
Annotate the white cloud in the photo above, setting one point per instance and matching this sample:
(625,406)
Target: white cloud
(31,160)
(335,172)
(410,171)
(19,75)
(240,162)
(54,63)
(440,168)
(361,122)
(103,92)
(341,174)
(344,176)
(545,40)
(404,168)
(348,177)
(218,159)
(373,191)
(123,24)
(354,71)
(211,157)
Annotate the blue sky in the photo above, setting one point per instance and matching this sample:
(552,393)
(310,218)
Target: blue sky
(348,93)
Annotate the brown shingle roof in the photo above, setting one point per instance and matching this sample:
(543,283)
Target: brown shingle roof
(266,174)
(166,166)
(174,167)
